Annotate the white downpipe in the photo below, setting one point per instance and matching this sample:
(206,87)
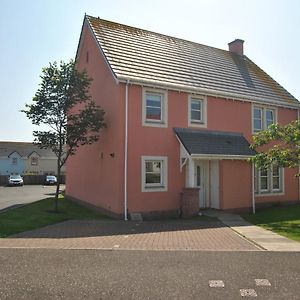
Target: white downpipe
(253,189)
(126,152)
(299,164)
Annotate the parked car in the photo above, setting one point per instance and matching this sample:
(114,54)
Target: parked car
(50,179)
(15,180)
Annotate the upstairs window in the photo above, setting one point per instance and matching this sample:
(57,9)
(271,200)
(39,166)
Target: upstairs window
(197,111)
(14,161)
(263,118)
(155,108)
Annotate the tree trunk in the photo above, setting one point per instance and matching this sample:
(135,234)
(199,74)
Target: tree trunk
(57,186)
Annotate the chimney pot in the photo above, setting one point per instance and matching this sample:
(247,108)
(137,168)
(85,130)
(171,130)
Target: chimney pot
(236,46)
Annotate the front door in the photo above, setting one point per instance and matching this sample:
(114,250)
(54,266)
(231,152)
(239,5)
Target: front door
(201,182)
(214,184)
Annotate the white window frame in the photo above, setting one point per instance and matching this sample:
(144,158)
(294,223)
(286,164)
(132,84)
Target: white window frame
(203,122)
(163,186)
(164,108)
(270,191)
(264,110)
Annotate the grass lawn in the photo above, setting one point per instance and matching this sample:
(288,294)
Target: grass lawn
(282,220)
(39,214)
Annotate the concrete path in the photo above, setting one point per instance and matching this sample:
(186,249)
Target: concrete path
(120,235)
(266,239)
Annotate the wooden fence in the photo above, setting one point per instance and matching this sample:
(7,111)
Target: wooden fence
(30,179)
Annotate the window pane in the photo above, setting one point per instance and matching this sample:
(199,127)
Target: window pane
(153,172)
(155,103)
(153,113)
(196,104)
(196,115)
(257,113)
(275,171)
(153,97)
(269,117)
(152,177)
(264,183)
(276,185)
(257,125)
(263,172)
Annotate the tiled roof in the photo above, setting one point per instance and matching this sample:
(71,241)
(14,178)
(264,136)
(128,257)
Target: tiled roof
(24,149)
(144,56)
(213,142)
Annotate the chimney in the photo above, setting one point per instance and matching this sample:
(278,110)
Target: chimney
(236,46)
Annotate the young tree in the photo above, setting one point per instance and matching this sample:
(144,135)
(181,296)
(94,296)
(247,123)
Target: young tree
(63,103)
(284,142)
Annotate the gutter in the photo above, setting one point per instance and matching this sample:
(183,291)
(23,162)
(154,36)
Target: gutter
(208,92)
(126,153)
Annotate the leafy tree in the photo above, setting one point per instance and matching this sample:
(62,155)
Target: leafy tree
(284,146)
(63,103)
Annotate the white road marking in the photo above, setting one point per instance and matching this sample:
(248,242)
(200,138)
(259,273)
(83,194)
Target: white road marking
(216,283)
(262,282)
(248,293)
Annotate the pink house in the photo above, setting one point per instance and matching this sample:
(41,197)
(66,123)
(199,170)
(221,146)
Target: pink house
(180,116)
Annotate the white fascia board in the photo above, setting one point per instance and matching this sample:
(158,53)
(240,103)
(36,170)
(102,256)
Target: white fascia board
(101,51)
(208,92)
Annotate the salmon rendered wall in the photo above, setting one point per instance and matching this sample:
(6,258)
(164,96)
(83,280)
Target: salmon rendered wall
(95,173)
(154,141)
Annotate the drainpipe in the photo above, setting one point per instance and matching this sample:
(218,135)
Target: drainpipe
(299,164)
(253,189)
(126,152)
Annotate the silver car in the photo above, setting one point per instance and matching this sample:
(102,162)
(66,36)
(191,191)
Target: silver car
(15,180)
(50,179)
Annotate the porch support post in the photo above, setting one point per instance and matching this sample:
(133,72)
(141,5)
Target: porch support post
(191,173)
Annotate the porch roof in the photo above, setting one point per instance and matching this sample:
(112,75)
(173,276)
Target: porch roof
(206,142)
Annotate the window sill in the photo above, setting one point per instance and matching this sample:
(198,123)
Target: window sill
(154,124)
(268,194)
(154,189)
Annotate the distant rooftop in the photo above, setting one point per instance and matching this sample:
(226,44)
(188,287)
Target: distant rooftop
(24,149)
(147,57)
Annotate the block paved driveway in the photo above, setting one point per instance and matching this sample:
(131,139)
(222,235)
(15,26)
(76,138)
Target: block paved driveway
(130,235)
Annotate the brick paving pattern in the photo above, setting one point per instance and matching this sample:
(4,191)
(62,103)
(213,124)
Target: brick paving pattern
(121,235)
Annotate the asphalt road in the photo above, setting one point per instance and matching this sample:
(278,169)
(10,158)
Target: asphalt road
(18,195)
(92,274)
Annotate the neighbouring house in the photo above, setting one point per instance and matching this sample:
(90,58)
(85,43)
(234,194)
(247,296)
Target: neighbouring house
(180,117)
(26,159)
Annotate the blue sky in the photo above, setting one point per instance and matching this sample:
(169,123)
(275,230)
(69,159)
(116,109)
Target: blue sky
(34,33)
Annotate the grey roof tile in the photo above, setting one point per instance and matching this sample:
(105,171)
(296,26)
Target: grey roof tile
(142,55)
(213,142)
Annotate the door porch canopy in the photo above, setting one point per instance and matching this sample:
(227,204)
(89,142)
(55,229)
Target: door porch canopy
(208,145)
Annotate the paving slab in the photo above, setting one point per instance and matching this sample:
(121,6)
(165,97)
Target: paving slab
(264,238)
(121,235)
